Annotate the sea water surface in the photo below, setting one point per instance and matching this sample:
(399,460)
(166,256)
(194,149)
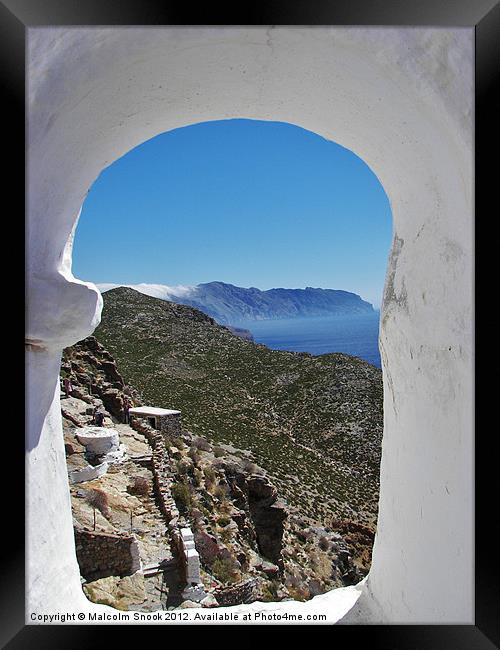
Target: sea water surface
(356,335)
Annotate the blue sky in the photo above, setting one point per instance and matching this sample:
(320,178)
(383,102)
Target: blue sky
(252,203)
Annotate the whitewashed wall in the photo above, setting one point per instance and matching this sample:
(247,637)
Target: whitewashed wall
(401,99)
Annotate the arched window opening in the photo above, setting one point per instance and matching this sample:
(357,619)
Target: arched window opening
(236,364)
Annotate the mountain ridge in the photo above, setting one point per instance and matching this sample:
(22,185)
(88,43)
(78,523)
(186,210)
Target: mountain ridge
(229,304)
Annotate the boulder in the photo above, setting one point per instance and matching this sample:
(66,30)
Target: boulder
(117,592)
(269,568)
(207,546)
(209,601)
(174,452)
(112,373)
(237,495)
(112,400)
(244,525)
(81,395)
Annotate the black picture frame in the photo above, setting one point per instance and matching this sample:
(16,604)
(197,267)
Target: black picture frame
(483,16)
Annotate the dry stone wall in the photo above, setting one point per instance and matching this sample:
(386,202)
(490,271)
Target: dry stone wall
(160,467)
(182,541)
(101,555)
(243,592)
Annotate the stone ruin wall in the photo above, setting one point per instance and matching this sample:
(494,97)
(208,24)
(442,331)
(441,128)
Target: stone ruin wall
(243,592)
(187,567)
(160,468)
(101,555)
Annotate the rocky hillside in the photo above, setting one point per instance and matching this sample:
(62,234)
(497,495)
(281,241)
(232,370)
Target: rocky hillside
(252,544)
(227,303)
(313,423)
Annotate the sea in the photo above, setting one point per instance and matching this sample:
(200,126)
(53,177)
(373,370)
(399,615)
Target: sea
(353,334)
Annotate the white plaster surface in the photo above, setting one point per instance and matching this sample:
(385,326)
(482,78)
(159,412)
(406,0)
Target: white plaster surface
(193,572)
(152,411)
(88,473)
(98,440)
(401,99)
(115,457)
(194,594)
(192,556)
(187,534)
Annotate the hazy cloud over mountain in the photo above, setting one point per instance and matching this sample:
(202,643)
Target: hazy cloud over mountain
(229,304)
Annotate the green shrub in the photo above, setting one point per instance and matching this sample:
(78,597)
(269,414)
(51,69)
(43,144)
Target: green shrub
(210,475)
(194,454)
(174,441)
(224,569)
(299,593)
(220,491)
(182,496)
(270,590)
(182,467)
(202,443)
(249,467)
(197,476)
(225,506)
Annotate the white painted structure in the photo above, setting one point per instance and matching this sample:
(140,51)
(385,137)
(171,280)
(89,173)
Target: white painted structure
(152,411)
(192,558)
(163,418)
(193,567)
(88,473)
(401,99)
(98,440)
(187,535)
(101,444)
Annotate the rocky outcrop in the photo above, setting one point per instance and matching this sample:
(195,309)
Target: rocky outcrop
(241,332)
(112,398)
(258,503)
(95,377)
(268,522)
(207,546)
